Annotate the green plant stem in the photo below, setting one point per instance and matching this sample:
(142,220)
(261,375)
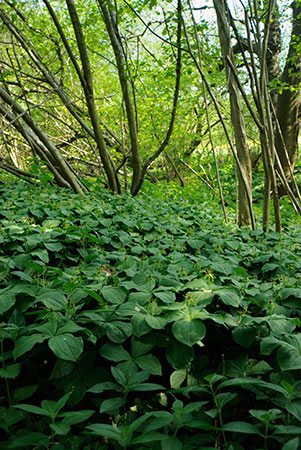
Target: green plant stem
(6,380)
(219,413)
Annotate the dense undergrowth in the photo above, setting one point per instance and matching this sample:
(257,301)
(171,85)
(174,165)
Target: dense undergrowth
(142,324)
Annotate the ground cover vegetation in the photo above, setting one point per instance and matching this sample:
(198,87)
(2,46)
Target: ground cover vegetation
(121,90)
(140,323)
(144,301)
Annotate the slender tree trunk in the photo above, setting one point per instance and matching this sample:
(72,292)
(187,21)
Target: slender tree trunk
(237,116)
(288,107)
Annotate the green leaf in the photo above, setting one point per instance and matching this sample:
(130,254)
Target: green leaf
(33,409)
(269,267)
(146,387)
(177,378)
(41,254)
(289,353)
(139,324)
(74,417)
(109,431)
(155,322)
(22,275)
(251,383)
(189,332)
(66,346)
(119,376)
(282,325)
(52,299)
(24,392)
(290,292)
(292,444)
(105,386)
(112,405)
(244,335)
(179,355)
(118,332)
(149,437)
(60,428)
(224,268)
(241,427)
(150,363)
(165,296)
(31,439)
(7,300)
(228,296)
(114,352)
(26,343)
(140,297)
(115,295)
(172,443)
(54,246)
(11,371)
(195,243)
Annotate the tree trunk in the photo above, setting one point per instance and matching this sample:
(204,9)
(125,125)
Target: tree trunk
(237,116)
(289,101)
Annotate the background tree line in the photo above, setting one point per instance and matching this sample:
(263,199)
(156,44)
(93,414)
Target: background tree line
(117,90)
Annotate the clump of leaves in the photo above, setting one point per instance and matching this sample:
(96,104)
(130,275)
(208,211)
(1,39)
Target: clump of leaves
(136,323)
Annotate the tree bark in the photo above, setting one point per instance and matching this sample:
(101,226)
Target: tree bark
(237,116)
(289,101)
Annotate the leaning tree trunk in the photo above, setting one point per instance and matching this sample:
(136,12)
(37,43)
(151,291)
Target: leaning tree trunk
(237,116)
(289,101)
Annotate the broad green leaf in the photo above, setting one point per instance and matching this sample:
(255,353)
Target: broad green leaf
(228,296)
(203,298)
(140,297)
(269,267)
(112,405)
(11,371)
(224,268)
(22,275)
(172,443)
(290,292)
(60,428)
(177,378)
(292,444)
(54,246)
(28,439)
(109,431)
(74,417)
(244,335)
(251,383)
(150,363)
(149,437)
(33,409)
(146,387)
(118,332)
(282,325)
(41,254)
(189,332)
(140,326)
(195,243)
(155,322)
(119,376)
(26,343)
(165,296)
(115,295)
(66,346)
(241,427)
(7,300)
(114,352)
(105,386)
(52,299)
(24,392)
(179,355)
